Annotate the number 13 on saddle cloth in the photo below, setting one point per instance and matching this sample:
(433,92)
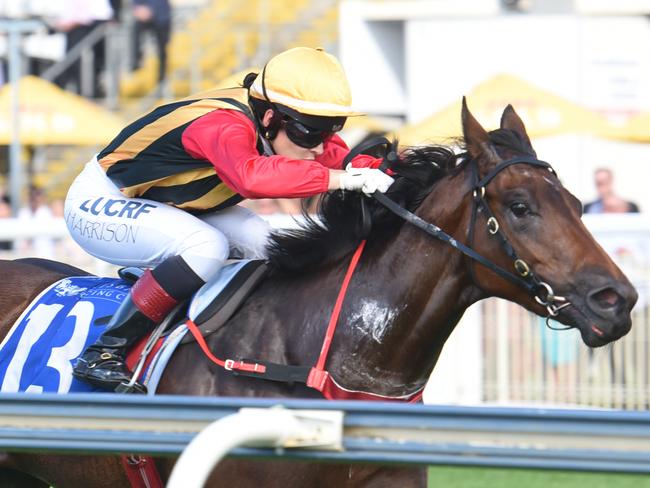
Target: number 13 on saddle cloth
(37,354)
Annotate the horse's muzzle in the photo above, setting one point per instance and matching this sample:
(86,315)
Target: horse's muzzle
(610,302)
(604,311)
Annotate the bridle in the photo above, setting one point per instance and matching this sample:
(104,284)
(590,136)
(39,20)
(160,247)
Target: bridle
(526,278)
(523,275)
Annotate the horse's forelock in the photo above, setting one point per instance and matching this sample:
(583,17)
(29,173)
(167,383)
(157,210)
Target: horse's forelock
(511,140)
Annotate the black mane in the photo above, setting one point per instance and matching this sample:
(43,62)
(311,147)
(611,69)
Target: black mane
(339,225)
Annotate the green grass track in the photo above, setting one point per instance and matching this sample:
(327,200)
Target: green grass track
(470,477)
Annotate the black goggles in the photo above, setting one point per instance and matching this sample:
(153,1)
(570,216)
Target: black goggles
(305,136)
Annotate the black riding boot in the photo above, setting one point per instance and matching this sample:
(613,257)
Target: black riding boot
(149,302)
(103,363)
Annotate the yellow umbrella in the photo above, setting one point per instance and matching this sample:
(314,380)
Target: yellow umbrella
(543,113)
(636,129)
(50,115)
(235,79)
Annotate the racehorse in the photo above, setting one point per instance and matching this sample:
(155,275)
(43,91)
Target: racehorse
(405,296)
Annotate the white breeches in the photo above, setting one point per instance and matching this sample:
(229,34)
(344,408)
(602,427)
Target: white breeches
(139,232)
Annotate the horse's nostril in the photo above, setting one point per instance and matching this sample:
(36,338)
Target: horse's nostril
(606,298)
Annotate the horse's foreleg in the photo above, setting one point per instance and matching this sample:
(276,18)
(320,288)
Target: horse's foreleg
(63,471)
(12,478)
(299,474)
(390,477)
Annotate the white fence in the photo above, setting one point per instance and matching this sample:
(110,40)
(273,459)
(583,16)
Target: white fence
(502,354)
(49,238)
(527,363)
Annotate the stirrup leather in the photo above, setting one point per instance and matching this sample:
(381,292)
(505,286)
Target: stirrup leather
(133,384)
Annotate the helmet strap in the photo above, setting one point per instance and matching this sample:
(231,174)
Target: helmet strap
(275,124)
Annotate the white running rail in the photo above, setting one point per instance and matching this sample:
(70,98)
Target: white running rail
(255,427)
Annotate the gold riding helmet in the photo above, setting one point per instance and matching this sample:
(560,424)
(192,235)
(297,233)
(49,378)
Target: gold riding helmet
(308,87)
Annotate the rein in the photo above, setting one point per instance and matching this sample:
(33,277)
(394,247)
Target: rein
(438,233)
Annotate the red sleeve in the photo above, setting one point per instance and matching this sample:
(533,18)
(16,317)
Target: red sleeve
(227,139)
(335,150)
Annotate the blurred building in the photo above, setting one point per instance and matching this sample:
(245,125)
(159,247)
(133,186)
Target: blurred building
(411,59)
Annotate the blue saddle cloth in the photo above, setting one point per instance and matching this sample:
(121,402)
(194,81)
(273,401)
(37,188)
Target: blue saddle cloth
(38,353)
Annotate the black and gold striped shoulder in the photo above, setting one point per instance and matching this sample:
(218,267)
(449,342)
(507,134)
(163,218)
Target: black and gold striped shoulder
(147,158)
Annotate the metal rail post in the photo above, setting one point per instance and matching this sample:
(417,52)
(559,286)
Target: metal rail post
(15,28)
(255,427)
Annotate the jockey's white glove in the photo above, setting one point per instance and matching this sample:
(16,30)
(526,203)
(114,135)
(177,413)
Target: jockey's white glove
(367,180)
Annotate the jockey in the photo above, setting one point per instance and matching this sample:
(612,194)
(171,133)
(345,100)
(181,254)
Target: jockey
(163,193)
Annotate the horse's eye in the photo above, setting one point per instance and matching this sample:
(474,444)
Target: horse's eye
(519,209)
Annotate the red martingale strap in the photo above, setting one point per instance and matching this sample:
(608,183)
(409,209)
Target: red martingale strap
(333,391)
(134,353)
(334,319)
(317,378)
(141,472)
(320,379)
(229,364)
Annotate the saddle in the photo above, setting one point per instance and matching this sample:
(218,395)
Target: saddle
(210,308)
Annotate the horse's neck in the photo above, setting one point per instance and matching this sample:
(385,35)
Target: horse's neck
(403,302)
(394,329)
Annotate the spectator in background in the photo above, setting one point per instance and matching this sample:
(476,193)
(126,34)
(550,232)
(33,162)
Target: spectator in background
(116,5)
(66,249)
(76,19)
(608,201)
(154,16)
(36,214)
(5,213)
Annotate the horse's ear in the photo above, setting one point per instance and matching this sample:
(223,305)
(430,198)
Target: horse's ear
(510,120)
(476,137)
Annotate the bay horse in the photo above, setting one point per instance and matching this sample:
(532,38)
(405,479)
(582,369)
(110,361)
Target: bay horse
(406,295)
